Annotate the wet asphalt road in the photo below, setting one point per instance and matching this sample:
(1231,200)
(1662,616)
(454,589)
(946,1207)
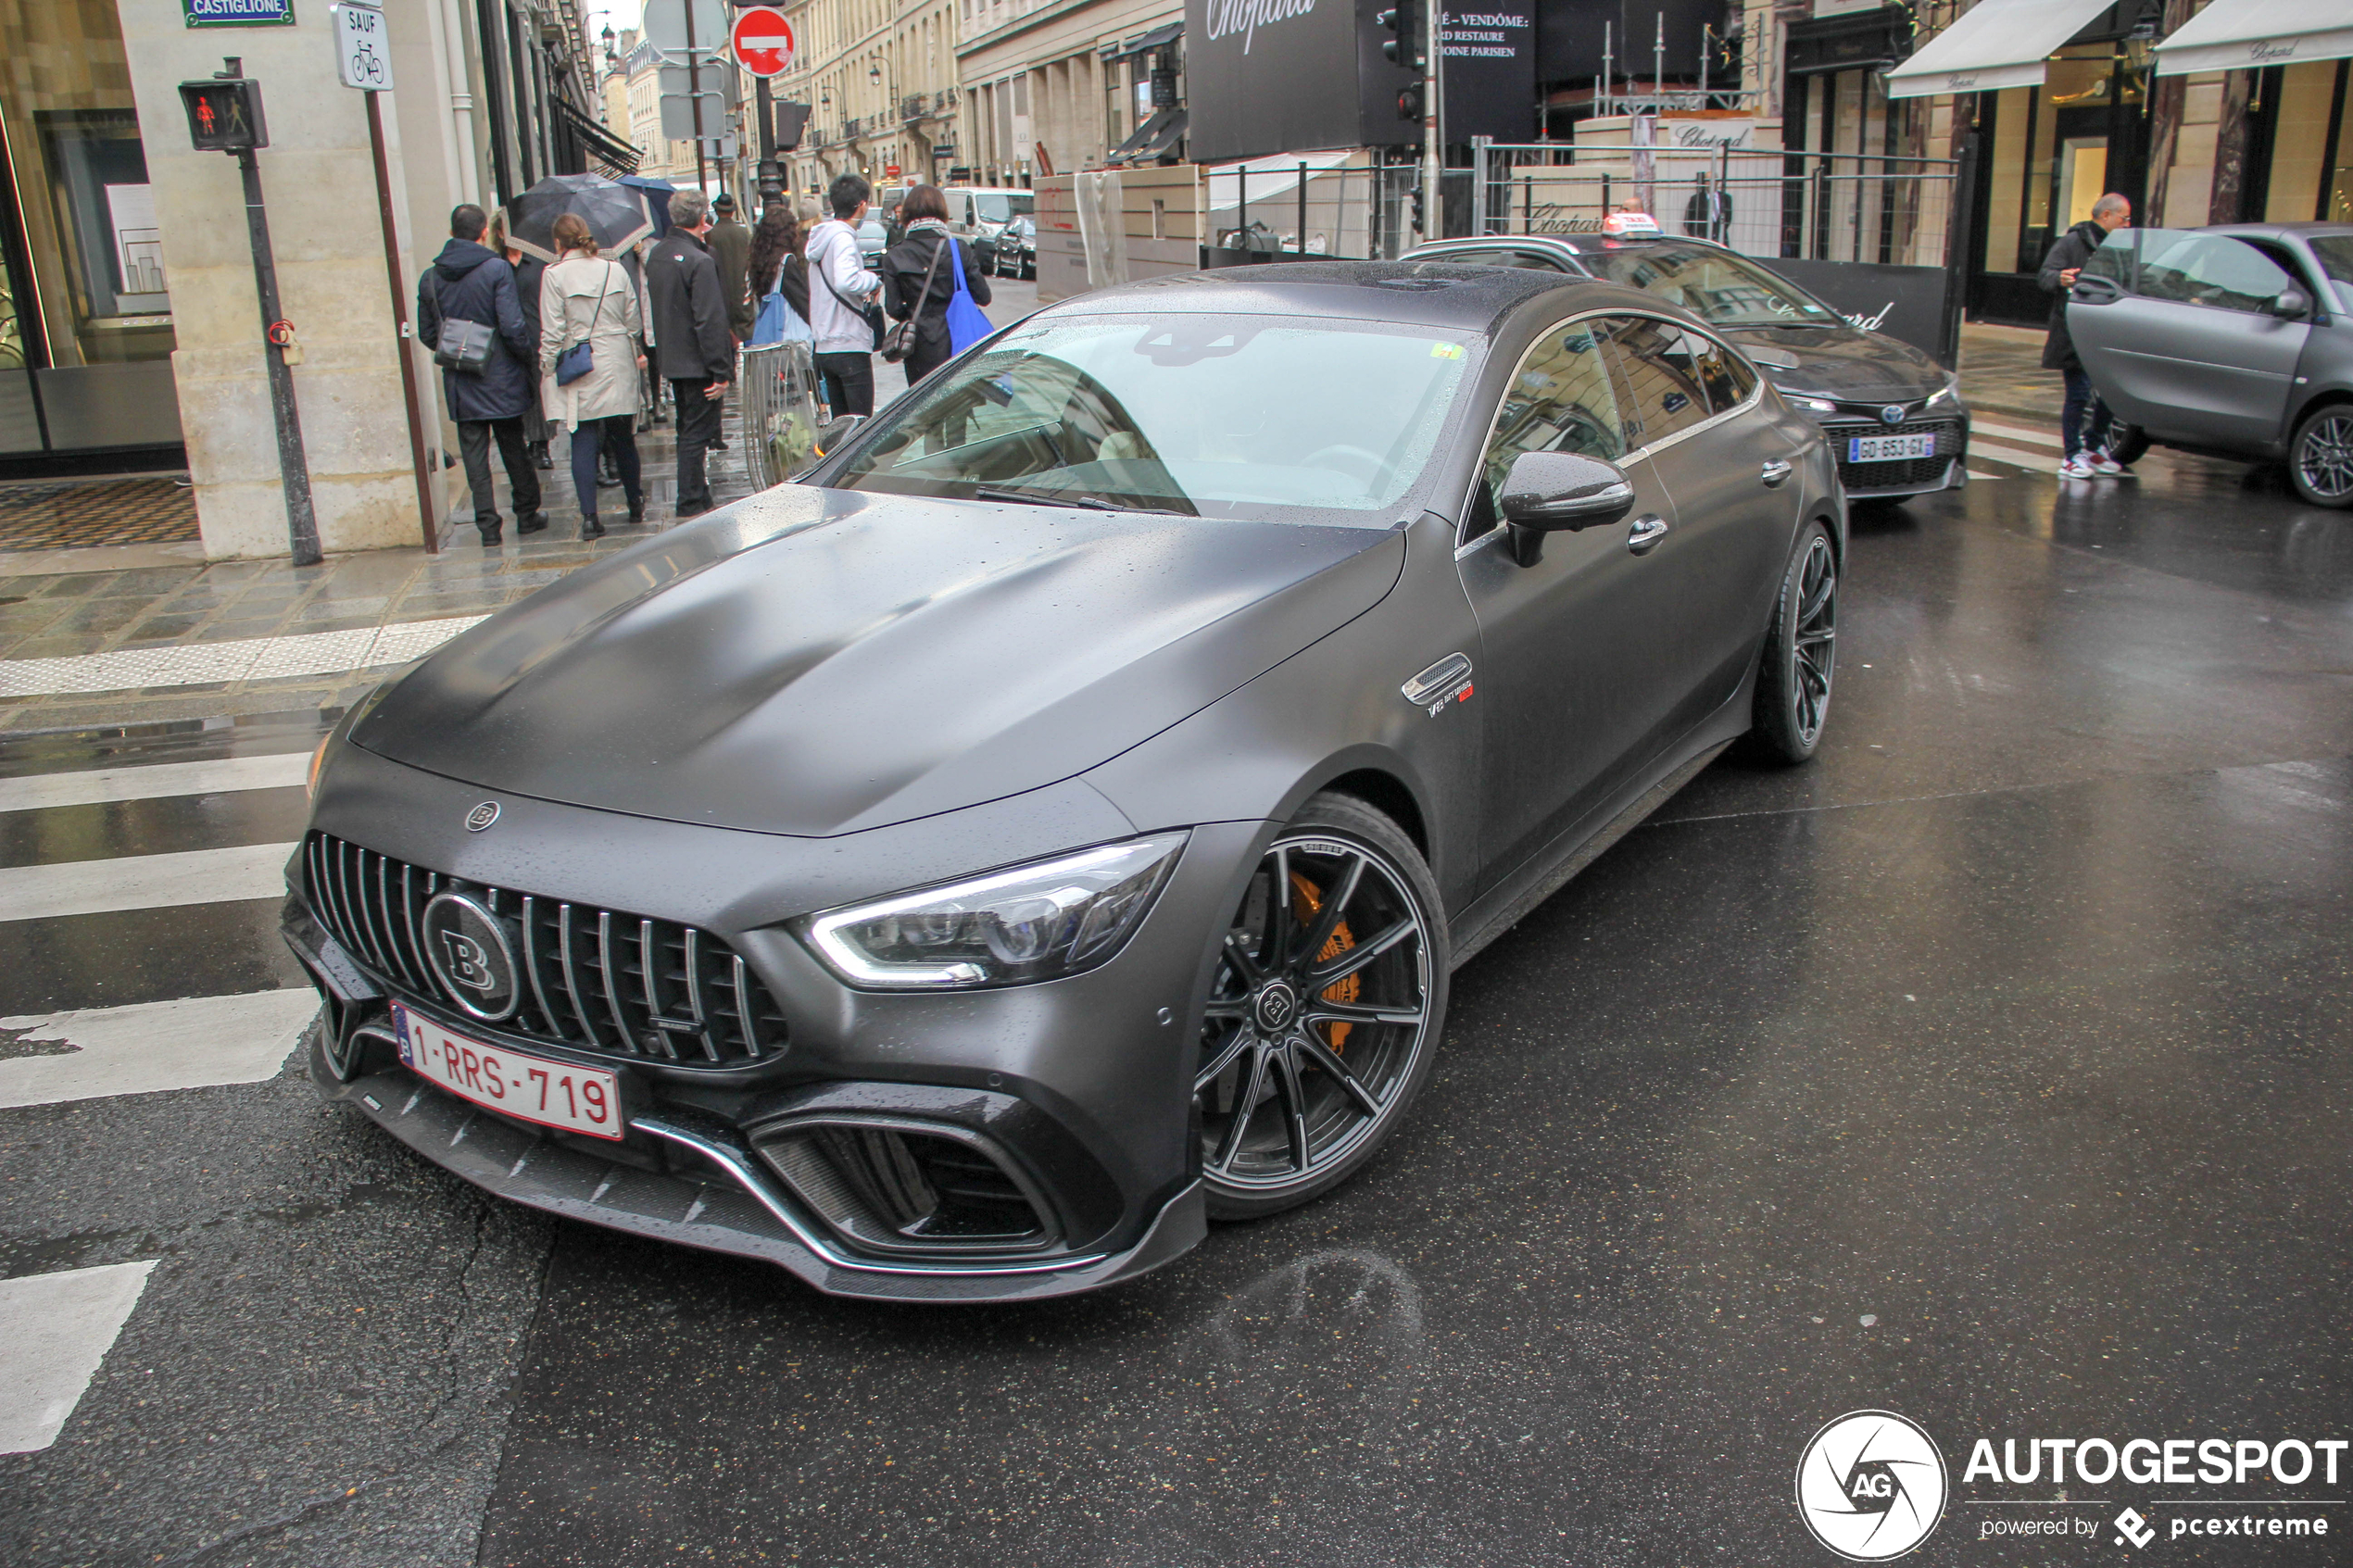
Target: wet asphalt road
(1993,1071)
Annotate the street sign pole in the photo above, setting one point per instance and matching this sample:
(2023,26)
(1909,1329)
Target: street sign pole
(693,97)
(771,173)
(224,115)
(363,62)
(763,42)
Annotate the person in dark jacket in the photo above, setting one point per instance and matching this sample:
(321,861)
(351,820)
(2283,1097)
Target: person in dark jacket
(1708,214)
(529,271)
(903,270)
(692,342)
(468,282)
(730,247)
(2084,418)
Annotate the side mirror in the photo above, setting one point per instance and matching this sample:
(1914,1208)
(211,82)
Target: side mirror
(835,432)
(1546,492)
(2291,304)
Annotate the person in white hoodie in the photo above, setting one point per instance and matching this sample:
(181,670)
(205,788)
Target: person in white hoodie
(840,289)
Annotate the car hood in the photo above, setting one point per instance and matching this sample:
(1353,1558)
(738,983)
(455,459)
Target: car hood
(1844,363)
(823,661)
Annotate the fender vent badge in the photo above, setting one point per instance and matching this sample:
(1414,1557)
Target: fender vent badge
(1447,681)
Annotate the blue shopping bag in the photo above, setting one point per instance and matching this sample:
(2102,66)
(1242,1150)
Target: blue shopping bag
(966,323)
(779,323)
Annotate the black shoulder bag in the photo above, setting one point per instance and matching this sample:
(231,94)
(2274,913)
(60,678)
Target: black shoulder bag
(461,345)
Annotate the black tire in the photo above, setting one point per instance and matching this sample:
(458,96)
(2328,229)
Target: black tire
(1299,1081)
(2126,444)
(1801,653)
(2320,460)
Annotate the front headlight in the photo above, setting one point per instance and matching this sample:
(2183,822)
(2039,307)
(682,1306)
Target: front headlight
(1806,401)
(1038,921)
(1951,395)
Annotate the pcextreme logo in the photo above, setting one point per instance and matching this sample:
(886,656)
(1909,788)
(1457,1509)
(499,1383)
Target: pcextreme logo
(1870,1485)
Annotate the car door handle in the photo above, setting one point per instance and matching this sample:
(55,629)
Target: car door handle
(1773,473)
(1646,532)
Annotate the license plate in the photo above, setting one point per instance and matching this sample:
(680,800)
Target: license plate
(554,1094)
(1890,449)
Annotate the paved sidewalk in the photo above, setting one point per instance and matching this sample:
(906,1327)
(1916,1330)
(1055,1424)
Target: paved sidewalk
(220,639)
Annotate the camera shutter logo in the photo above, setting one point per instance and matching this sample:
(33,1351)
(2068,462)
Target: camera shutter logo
(1871,1485)
(468,949)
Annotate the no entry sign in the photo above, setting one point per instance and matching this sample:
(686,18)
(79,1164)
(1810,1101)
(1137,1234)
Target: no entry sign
(763,41)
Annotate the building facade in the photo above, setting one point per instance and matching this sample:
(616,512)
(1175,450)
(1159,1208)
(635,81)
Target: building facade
(1055,86)
(131,335)
(880,77)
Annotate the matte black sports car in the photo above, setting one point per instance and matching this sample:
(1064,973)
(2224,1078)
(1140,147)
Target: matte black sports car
(1051,822)
(1895,419)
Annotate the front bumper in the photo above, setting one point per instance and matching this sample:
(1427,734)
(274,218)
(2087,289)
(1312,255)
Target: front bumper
(1073,1094)
(1863,481)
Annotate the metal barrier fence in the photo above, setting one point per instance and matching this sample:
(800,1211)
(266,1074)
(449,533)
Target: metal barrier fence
(779,393)
(1877,208)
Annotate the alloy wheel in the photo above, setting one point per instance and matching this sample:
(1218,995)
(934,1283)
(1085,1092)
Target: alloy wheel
(1815,639)
(2325,456)
(1320,1011)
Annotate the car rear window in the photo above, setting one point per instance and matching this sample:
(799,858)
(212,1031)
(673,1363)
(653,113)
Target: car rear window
(2335,253)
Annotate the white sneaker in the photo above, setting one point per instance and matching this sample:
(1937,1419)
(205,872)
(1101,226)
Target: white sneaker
(2076,468)
(2105,466)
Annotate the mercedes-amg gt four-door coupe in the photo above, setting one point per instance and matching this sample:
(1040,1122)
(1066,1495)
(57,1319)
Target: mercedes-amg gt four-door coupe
(1051,823)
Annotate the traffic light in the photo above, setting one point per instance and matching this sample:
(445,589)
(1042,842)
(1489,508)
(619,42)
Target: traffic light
(1405,49)
(1409,104)
(1418,211)
(224,116)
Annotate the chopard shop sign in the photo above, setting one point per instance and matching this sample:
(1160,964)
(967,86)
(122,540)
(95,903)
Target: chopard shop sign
(1228,17)
(1287,76)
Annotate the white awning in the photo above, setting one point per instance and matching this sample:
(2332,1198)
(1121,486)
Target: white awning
(1999,44)
(2249,34)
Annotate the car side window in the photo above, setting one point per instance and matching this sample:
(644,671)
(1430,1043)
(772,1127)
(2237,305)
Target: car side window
(1726,376)
(1561,400)
(1659,383)
(2215,271)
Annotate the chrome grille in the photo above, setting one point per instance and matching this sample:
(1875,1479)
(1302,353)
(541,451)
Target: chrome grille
(603,980)
(1903,471)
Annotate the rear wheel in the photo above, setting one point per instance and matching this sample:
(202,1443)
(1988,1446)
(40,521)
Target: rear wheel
(1329,994)
(1801,652)
(2320,460)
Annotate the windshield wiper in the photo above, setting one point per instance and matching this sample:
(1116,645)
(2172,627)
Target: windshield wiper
(1065,498)
(1044,498)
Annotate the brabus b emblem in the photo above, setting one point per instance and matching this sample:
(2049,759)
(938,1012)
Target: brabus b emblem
(482,816)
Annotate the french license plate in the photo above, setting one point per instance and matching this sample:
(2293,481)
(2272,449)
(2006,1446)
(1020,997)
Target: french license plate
(1890,449)
(554,1094)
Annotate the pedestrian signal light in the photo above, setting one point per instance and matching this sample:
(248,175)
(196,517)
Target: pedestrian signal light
(1409,104)
(224,116)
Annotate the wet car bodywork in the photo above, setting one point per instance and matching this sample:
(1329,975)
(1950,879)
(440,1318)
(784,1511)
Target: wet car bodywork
(1854,382)
(657,775)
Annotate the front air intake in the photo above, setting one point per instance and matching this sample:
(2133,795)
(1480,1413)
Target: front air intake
(909,1189)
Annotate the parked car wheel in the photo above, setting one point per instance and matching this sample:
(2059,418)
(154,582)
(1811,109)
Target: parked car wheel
(1329,994)
(2320,460)
(2126,444)
(1801,652)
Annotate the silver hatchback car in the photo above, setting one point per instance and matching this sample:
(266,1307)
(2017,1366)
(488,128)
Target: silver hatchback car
(2234,341)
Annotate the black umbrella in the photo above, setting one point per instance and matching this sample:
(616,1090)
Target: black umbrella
(614,213)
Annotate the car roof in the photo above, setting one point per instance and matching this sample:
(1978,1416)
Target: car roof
(1572,244)
(1435,293)
(2307,231)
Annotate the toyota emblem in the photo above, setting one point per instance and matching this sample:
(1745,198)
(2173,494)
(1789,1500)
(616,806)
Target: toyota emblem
(1893,414)
(482,816)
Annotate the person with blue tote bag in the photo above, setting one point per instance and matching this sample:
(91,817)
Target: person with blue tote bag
(940,296)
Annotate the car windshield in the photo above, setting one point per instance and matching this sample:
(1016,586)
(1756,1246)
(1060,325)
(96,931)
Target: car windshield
(2335,254)
(1715,286)
(1269,417)
(995,207)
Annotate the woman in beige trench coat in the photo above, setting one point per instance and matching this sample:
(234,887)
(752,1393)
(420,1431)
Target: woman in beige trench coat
(584,298)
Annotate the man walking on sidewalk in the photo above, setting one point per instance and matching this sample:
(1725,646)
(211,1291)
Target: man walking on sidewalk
(468,282)
(839,290)
(2085,448)
(730,244)
(691,340)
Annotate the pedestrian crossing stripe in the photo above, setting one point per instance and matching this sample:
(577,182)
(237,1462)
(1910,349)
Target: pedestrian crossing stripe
(55,1332)
(95,786)
(241,659)
(152,1047)
(144,881)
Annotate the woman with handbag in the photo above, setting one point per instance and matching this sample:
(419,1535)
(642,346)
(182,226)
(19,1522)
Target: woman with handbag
(589,362)
(923,275)
(779,277)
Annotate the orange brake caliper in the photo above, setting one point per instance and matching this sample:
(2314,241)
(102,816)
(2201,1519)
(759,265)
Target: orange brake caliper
(1310,902)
